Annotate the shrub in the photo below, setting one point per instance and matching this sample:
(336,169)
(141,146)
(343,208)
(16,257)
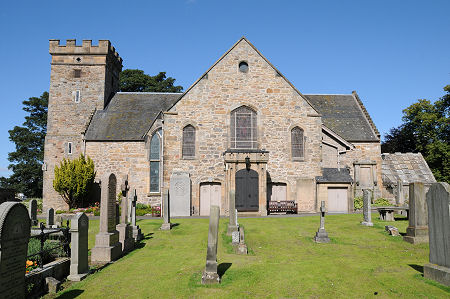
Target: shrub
(142,209)
(358,202)
(381,202)
(34,246)
(74,180)
(60,212)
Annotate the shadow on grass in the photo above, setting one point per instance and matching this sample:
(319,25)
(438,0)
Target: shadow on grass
(174,225)
(418,268)
(148,236)
(401,219)
(222,268)
(70,294)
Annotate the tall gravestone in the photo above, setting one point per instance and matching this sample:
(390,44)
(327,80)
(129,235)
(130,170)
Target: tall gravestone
(210,275)
(33,212)
(107,247)
(438,202)
(79,227)
(124,229)
(400,197)
(417,231)
(367,210)
(232,225)
(180,194)
(322,235)
(50,217)
(15,228)
(166,211)
(137,234)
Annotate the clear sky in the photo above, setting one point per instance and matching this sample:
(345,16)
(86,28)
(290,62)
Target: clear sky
(391,52)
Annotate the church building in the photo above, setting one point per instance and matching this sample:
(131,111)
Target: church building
(242,127)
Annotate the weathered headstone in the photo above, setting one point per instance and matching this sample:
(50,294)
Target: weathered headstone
(210,275)
(79,267)
(124,229)
(58,221)
(33,212)
(393,231)
(235,238)
(399,196)
(417,231)
(137,234)
(242,247)
(107,247)
(50,217)
(15,228)
(166,212)
(232,225)
(180,194)
(367,211)
(438,202)
(322,235)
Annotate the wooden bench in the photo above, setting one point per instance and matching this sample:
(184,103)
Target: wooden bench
(387,213)
(286,206)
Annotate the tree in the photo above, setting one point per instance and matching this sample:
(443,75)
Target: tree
(137,81)
(425,129)
(26,161)
(74,180)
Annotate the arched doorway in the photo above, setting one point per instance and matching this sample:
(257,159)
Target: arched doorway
(247,191)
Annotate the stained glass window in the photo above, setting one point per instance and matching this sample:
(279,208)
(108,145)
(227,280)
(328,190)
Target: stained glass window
(188,142)
(155,161)
(243,128)
(297,142)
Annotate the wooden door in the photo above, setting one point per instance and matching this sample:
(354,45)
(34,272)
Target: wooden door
(337,200)
(247,191)
(209,195)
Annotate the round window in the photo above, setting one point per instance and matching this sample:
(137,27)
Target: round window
(243,66)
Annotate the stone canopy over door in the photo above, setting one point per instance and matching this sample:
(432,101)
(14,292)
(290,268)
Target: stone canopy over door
(247,190)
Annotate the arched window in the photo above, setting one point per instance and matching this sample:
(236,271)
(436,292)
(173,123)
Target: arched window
(188,149)
(155,161)
(297,143)
(243,128)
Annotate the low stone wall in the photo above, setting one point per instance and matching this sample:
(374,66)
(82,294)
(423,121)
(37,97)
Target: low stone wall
(35,280)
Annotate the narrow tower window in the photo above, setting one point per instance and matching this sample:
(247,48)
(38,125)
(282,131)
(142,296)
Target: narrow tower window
(77,73)
(69,148)
(188,150)
(77,96)
(155,161)
(297,143)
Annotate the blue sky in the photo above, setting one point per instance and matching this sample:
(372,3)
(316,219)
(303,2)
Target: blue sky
(391,52)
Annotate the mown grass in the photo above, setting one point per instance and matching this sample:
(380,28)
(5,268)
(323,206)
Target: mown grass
(284,261)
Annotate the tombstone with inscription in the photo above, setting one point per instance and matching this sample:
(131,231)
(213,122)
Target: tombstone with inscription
(322,235)
(166,212)
(232,225)
(137,234)
(50,217)
(107,247)
(33,212)
(210,275)
(235,238)
(417,231)
(124,229)
(180,194)
(15,228)
(438,202)
(367,211)
(79,267)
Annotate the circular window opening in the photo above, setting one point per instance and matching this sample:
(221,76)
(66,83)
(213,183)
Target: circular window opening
(243,66)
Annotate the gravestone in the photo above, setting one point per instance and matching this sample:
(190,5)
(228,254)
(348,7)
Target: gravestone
(15,229)
(417,231)
(392,230)
(33,212)
(58,221)
(137,234)
(367,211)
(242,247)
(180,194)
(210,275)
(322,235)
(166,212)
(79,267)
(50,217)
(438,202)
(399,197)
(107,247)
(124,229)
(235,238)
(232,225)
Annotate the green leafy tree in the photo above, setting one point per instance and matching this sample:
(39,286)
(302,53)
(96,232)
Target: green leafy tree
(26,161)
(74,180)
(137,81)
(425,129)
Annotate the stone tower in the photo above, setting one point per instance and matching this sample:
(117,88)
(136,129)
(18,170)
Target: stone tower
(83,79)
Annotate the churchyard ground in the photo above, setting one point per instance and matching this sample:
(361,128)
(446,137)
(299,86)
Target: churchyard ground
(283,261)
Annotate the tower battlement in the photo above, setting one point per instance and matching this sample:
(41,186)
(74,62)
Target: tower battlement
(104,47)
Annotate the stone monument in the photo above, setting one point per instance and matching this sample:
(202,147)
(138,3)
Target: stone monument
(232,225)
(322,235)
(166,212)
(137,234)
(15,229)
(180,194)
(33,212)
(210,275)
(124,229)
(417,231)
(79,267)
(399,196)
(50,217)
(107,247)
(367,211)
(438,202)
(242,247)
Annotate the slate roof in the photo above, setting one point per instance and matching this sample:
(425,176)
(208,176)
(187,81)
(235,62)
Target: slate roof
(335,175)
(128,116)
(345,115)
(409,167)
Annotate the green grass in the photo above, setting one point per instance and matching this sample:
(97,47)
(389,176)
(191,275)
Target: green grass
(283,262)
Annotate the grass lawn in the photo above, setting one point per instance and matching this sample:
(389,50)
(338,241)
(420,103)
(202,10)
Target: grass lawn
(283,261)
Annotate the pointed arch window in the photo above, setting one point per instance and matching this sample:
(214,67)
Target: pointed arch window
(297,143)
(243,128)
(188,150)
(155,161)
